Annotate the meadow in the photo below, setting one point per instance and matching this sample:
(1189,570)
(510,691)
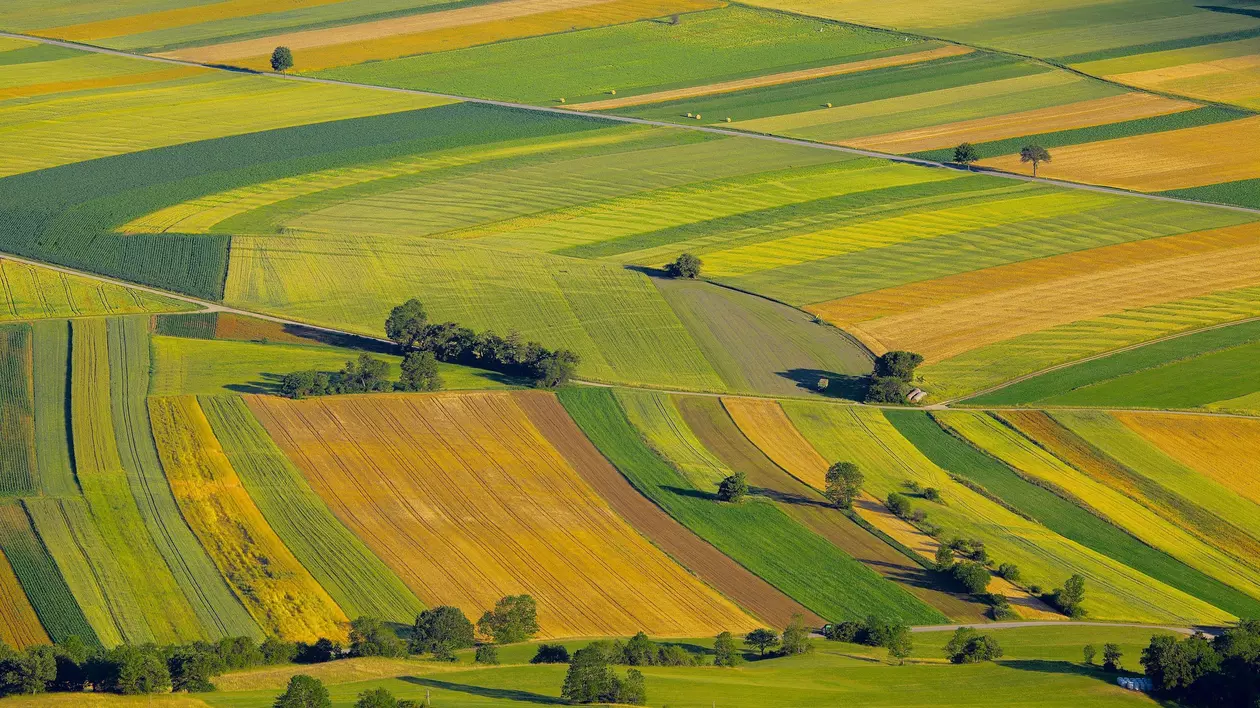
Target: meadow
(492,509)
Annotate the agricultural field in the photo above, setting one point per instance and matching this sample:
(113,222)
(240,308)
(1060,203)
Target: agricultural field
(1214,447)
(45,587)
(19,625)
(502,510)
(18,472)
(31,292)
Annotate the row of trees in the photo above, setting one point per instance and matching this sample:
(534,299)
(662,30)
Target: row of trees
(408,326)
(1198,671)
(966,154)
(367,374)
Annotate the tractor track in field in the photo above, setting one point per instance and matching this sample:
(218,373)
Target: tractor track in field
(635,121)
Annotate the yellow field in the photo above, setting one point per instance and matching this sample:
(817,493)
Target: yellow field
(466,501)
(19,627)
(948,316)
(1219,448)
(278,592)
(1226,72)
(1246,405)
(850,238)
(865,437)
(764,423)
(1176,159)
(1082,114)
(54,87)
(177,17)
(786,77)
(435,31)
(7,44)
(30,292)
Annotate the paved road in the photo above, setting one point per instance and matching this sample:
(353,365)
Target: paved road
(638,121)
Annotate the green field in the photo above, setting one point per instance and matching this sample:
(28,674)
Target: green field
(51,356)
(1060,515)
(355,578)
(36,570)
(756,534)
(18,471)
(642,57)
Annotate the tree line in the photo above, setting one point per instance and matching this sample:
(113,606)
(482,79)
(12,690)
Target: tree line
(1198,671)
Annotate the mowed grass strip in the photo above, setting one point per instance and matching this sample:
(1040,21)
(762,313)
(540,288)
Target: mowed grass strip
(355,578)
(1045,558)
(756,534)
(218,612)
(19,625)
(503,513)
(1019,478)
(19,474)
(41,580)
(1218,448)
(277,590)
(51,367)
(778,460)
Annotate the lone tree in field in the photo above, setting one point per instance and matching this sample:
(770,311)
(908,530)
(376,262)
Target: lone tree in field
(965,154)
(441,630)
(1034,154)
(304,692)
(844,482)
(762,639)
(724,651)
(281,59)
(1111,657)
(687,266)
(733,489)
(1089,652)
(796,637)
(513,619)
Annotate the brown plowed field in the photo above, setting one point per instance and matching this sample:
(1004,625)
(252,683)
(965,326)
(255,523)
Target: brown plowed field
(711,565)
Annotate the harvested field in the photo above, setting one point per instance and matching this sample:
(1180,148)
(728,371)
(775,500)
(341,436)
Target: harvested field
(279,593)
(433,31)
(355,578)
(1220,449)
(772,79)
(1178,159)
(19,625)
(1224,72)
(719,571)
(945,317)
(1060,514)
(542,531)
(757,534)
(768,428)
(889,461)
(1112,109)
(40,578)
(51,355)
(18,472)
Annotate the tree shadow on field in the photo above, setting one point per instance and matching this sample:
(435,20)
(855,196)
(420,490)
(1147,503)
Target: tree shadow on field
(846,386)
(693,493)
(270,384)
(1246,12)
(1065,668)
(650,271)
(788,497)
(507,694)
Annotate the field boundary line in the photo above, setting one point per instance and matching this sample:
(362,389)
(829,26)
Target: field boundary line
(1206,629)
(726,132)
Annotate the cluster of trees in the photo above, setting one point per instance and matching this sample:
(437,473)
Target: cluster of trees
(1068,598)
(686,266)
(365,375)
(966,154)
(636,651)
(843,484)
(442,630)
(794,640)
(893,635)
(1111,656)
(734,488)
(968,646)
(591,679)
(408,326)
(1198,671)
(309,692)
(893,373)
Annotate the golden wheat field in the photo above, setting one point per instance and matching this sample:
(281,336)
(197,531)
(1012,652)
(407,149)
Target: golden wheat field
(764,423)
(1081,114)
(279,593)
(1176,159)
(467,502)
(948,316)
(785,77)
(1220,448)
(19,627)
(175,17)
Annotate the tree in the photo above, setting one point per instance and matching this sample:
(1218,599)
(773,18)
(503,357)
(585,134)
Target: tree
(366,375)
(589,678)
(551,654)
(281,59)
(238,653)
(441,627)
(968,646)
(555,368)
(733,489)
(724,651)
(29,672)
(407,323)
(419,373)
(370,636)
(900,645)
(844,483)
(1034,154)
(513,619)
(633,690)
(487,654)
(1111,657)
(192,669)
(687,266)
(972,576)
(796,637)
(932,494)
(965,154)
(1089,652)
(304,692)
(376,698)
(133,671)
(886,389)
(1069,597)
(300,384)
(1009,571)
(762,639)
(944,558)
(275,650)
(898,504)
(321,651)
(898,364)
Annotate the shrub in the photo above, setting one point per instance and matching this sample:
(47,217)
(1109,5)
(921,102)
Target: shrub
(487,654)
(376,698)
(932,494)
(304,692)
(734,488)
(370,636)
(796,637)
(944,558)
(844,632)
(1089,652)
(898,504)
(550,654)
(968,646)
